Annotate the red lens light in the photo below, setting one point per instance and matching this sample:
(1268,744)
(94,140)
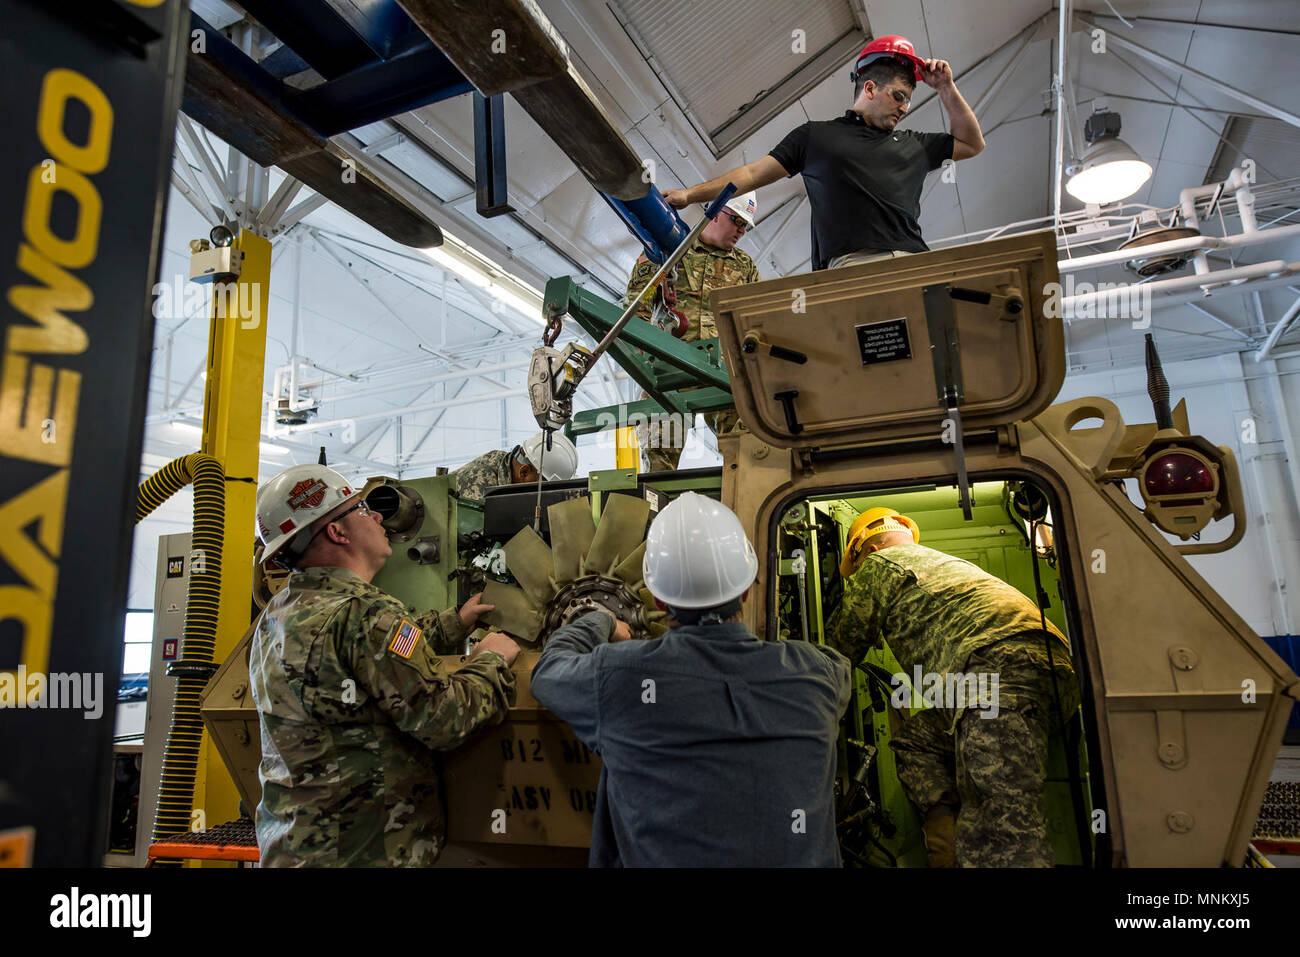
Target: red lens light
(1177,473)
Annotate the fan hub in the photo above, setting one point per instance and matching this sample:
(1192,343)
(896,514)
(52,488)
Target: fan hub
(592,591)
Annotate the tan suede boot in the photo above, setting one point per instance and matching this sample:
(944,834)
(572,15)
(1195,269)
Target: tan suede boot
(939,832)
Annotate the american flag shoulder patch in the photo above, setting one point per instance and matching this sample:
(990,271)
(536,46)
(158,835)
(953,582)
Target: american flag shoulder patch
(403,643)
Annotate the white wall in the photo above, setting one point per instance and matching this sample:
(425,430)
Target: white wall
(1228,398)
(174,515)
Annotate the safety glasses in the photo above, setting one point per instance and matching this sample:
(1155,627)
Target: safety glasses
(361,507)
(901,98)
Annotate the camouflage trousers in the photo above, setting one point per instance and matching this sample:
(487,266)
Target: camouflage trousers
(664,438)
(990,771)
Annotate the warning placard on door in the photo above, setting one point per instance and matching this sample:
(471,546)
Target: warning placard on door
(16,847)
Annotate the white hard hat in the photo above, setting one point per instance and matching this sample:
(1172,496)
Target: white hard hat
(697,554)
(558,462)
(289,503)
(744,205)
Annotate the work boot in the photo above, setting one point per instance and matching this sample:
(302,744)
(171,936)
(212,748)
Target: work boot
(939,833)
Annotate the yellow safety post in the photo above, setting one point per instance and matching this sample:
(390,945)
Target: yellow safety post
(627,451)
(232,426)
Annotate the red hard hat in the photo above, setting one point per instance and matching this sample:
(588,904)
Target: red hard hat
(900,48)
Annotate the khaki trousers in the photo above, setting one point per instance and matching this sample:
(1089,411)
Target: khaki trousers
(863,256)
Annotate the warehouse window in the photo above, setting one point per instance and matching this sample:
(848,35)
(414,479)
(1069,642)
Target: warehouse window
(137,641)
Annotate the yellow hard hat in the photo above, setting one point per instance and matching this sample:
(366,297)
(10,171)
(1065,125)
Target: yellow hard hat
(860,531)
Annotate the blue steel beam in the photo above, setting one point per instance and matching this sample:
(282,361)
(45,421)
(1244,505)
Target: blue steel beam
(379,90)
(491,187)
(651,220)
(338,36)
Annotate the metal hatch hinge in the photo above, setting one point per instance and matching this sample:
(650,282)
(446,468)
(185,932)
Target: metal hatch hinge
(945,351)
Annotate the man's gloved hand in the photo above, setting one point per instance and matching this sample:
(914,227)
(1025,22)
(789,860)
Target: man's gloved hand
(940,834)
(622,630)
(502,644)
(470,611)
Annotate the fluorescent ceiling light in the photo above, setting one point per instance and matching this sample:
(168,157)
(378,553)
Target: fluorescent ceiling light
(454,256)
(190,428)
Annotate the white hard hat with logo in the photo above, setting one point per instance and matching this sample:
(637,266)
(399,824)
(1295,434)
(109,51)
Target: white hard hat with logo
(697,554)
(559,462)
(744,205)
(289,503)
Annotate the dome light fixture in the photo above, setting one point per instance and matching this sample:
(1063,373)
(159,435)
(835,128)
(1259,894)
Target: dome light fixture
(1109,169)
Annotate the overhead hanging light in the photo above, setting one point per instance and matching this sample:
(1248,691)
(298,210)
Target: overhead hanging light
(1109,169)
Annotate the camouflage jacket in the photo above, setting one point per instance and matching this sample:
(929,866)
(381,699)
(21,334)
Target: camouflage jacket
(935,610)
(352,703)
(703,269)
(477,476)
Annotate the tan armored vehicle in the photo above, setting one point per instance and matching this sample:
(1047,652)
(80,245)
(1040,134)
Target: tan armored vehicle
(924,384)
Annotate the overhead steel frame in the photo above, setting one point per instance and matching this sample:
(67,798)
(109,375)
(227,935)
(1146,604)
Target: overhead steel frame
(1123,42)
(236,190)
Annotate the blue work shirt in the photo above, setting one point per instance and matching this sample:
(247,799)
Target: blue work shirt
(718,749)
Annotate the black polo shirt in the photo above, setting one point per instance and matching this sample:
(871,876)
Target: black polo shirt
(864,183)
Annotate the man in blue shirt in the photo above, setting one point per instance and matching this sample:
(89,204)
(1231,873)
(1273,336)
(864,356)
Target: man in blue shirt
(718,749)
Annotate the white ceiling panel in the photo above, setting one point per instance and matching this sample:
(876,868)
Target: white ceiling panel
(889,17)
(692,41)
(963,31)
(1258,14)
(606,57)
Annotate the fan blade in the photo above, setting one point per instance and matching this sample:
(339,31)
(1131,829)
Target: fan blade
(621,529)
(514,613)
(571,533)
(629,570)
(529,559)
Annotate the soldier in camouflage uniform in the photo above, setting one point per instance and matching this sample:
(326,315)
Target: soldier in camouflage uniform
(475,478)
(713,262)
(351,698)
(498,467)
(949,616)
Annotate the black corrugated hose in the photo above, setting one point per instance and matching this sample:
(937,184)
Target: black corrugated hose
(199,638)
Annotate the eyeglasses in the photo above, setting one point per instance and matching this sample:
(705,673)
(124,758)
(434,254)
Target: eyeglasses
(741,224)
(361,506)
(901,98)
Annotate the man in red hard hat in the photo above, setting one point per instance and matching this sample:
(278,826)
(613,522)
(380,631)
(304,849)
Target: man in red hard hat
(863,175)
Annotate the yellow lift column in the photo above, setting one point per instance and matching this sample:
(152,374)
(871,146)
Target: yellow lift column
(232,426)
(627,453)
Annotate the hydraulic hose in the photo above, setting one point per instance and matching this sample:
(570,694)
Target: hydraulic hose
(199,638)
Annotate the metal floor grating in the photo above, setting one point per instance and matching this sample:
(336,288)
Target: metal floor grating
(232,841)
(1279,816)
